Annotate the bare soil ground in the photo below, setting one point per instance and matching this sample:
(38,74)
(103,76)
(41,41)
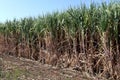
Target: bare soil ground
(13,68)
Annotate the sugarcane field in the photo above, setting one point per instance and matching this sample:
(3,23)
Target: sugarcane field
(78,43)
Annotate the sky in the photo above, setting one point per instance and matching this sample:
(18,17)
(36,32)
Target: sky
(10,9)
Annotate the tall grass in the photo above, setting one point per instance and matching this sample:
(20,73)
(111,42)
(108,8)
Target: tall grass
(88,37)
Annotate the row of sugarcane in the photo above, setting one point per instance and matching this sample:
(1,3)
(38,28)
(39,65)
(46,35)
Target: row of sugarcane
(93,32)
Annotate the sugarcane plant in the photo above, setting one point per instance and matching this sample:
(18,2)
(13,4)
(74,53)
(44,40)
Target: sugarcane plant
(83,36)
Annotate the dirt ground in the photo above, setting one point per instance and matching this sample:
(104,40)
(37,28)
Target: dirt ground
(12,68)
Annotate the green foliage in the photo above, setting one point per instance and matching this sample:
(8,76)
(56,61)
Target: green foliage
(72,20)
